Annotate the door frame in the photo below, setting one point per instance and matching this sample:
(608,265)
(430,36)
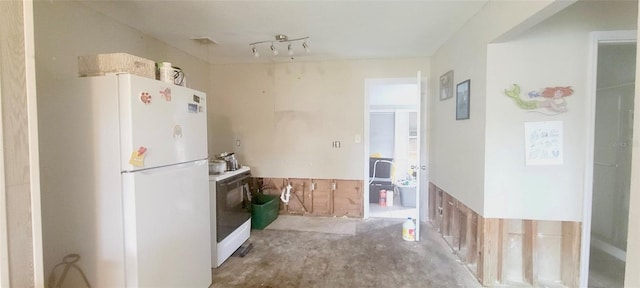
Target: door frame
(370,82)
(598,37)
(4,237)
(34,155)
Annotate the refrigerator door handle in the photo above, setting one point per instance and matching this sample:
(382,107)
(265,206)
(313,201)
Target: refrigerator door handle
(183,165)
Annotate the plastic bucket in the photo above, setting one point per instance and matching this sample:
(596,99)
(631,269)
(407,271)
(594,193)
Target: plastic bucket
(264,210)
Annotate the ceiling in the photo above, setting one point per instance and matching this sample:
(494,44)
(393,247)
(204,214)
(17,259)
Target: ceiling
(336,29)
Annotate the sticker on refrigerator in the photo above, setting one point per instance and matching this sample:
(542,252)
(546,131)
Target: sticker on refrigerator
(200,108)
(145,97)
(193,108)
(167,94)
(137,157)
(177,132)
(196,98)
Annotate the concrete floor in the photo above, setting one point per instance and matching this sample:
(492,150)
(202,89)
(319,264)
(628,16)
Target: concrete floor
(395,211)
(376,256)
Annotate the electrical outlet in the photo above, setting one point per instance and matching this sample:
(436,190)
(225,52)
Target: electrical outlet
(238,142)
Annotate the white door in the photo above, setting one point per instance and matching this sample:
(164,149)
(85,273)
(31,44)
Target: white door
(160,123)
(166,218)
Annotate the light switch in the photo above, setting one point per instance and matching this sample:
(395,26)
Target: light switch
(358,139)
(238,142)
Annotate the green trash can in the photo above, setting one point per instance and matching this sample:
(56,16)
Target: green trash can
(264,210)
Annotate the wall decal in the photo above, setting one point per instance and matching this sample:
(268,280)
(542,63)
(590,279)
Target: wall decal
(551,101)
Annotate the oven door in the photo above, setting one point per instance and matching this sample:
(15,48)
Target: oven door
(233,204)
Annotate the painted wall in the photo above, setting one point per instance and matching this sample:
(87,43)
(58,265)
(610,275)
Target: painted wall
(457,149)
(554,53)
(60,39)
(286,115)
(65,30)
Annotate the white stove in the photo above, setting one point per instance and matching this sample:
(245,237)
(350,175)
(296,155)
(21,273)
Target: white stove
(230,214)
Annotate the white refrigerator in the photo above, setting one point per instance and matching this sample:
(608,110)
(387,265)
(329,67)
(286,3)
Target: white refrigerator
(138,214)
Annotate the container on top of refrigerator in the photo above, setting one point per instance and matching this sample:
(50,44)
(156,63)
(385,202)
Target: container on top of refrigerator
(101,64)
(172,74)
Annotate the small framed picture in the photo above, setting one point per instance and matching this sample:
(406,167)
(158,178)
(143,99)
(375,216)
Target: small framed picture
(462,99)
(446,85)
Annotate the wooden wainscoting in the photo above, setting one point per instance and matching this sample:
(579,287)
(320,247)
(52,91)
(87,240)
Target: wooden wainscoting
(511,252)
(317,197)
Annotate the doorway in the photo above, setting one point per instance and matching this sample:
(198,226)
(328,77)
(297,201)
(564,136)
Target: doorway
(393,154)
(607,214)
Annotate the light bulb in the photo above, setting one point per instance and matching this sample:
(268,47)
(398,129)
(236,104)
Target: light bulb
(306,47)
(255,52)
(273,50)
(290,50)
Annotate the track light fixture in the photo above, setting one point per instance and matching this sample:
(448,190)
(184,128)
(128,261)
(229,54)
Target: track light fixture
(306,46)
(290,49)
(281,38)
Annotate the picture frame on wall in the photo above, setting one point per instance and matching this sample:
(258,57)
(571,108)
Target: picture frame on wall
(446,85)
(463,93)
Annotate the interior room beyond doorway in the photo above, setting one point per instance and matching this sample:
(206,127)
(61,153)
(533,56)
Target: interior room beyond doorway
(393,148)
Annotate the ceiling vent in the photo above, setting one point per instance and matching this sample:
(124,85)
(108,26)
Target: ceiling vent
(204,40)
